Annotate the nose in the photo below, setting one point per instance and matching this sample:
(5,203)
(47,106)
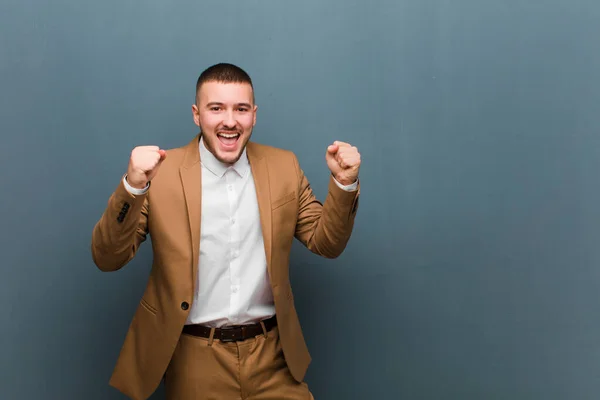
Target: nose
(229,121)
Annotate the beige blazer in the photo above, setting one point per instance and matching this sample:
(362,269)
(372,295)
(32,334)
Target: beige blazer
(170,213)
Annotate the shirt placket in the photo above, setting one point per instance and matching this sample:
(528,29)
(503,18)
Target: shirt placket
(233,248)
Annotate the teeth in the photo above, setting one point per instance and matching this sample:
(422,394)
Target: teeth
(229,136)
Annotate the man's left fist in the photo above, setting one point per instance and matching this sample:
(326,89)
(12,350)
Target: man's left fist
(343,160)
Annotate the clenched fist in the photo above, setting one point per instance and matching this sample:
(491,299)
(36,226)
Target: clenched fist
(343,160)
(144,164)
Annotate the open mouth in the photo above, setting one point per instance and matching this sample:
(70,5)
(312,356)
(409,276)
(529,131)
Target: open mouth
(228,139)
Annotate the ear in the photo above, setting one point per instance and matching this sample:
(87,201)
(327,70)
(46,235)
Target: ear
(196,114)
(254,122)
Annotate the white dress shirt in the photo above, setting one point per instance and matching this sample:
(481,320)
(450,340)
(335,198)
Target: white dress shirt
(233,284)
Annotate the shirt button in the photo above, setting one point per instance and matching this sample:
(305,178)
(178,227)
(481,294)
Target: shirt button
(185,305)
(235,289)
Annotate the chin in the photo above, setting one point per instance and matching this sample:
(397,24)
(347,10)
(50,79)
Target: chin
(229,158)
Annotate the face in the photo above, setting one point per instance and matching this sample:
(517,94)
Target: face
(226,114)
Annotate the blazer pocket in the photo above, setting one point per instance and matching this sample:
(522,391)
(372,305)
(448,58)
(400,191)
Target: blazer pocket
(283,200)
(148,307)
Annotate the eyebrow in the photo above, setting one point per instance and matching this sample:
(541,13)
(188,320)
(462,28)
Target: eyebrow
(216,103)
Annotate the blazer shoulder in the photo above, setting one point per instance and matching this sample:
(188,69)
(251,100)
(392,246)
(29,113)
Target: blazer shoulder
(176,154)
(175,157)
(170,166)
(273,153)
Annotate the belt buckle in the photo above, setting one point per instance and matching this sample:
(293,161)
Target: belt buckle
(233,334)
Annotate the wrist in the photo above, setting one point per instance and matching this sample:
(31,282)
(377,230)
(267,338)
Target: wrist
(136,185)
(345,181)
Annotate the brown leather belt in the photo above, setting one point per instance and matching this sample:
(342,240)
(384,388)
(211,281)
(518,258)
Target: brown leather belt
(231,333)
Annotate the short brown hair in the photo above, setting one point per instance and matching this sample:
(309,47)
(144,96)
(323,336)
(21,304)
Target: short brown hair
(223,73)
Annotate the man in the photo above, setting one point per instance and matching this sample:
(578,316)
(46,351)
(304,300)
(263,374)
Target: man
(217,319)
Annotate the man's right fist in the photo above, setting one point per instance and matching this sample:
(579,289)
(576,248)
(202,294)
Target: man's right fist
(143,165)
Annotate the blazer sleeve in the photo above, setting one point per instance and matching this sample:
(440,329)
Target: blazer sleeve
(121,229)
(325,228)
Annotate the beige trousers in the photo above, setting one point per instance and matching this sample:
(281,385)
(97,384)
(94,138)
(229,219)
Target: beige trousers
(253,369)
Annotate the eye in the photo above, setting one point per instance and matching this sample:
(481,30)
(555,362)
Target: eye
(242,109)
(215,108)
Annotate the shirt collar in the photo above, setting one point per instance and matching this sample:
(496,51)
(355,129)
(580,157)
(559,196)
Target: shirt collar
(219,168)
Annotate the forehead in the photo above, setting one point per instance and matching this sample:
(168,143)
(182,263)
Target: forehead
(227,93)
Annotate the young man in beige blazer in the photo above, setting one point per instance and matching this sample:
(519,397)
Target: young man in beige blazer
(217,319)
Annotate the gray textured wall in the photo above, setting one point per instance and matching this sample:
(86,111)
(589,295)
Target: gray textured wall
(473,271)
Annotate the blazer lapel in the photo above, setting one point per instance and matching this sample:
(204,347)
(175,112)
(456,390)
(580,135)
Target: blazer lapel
(191,175)
(260,174)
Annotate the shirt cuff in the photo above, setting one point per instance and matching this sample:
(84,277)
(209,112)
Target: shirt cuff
(348,188)
(133,190)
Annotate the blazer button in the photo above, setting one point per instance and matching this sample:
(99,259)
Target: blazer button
(185,305)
